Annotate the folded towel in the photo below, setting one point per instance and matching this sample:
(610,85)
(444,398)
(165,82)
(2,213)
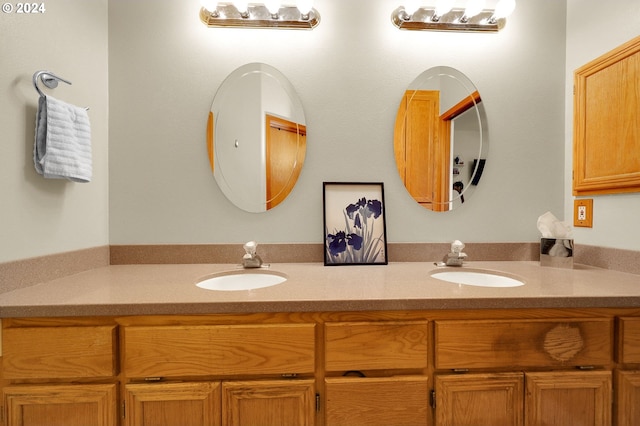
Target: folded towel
(62,148)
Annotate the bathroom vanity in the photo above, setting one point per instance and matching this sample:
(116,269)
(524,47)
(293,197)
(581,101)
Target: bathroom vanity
(142,345)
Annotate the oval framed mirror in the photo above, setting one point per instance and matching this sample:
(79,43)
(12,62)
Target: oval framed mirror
(440,142)
(256,137)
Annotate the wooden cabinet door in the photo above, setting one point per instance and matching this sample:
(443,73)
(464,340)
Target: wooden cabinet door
(568,398)
(169,404)
(629,340)
(627,398)
(61,405)
(268,403)
(479,399)
(401,400)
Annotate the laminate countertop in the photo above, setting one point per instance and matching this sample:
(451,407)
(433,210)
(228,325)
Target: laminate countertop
(313,287)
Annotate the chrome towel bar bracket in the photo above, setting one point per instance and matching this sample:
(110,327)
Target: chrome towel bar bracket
(48,78)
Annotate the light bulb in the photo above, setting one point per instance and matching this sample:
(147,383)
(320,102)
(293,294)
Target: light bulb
(410,6)
(473,8)
(443,6)
(273,6)
(210,5)
(504,8)
(305,6)
(242,7)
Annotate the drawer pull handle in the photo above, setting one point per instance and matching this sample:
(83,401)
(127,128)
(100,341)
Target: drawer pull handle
(354,373)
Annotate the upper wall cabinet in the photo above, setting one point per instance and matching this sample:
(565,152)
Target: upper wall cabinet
(606,127)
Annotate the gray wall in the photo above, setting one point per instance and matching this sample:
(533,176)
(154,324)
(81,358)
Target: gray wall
(41,216)
(148,69)
(165,67)
(593,29)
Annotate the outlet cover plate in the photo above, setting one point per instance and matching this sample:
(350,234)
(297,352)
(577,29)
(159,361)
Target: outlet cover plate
(583,212)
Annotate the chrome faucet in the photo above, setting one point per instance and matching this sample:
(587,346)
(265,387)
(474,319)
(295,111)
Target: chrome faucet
(455,257)
(250,258)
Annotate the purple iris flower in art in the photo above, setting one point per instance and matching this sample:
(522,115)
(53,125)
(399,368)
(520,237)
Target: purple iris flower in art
(375,207)
(353,208)
(355,241)
(338,242)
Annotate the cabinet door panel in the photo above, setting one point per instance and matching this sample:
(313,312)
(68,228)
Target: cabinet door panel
(61,405)
(523,343)
(167,404)
(629,348)
(375,345)
(568,398)
(269,403)
(401,400)
(628,398)
(58,352)
(174,351)
(479,399)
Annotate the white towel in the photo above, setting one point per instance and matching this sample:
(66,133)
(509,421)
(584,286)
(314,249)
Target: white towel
(62,148)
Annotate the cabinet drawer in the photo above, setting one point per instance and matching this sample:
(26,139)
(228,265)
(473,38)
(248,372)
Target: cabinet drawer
(375,345)
(523,343)
(629,345)
(401,400)
(58,352)
(173,351)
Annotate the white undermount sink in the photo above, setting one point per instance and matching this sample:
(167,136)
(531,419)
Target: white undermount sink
(246,279)
(477,278)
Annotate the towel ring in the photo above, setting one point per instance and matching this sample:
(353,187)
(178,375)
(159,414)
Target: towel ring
(48,78)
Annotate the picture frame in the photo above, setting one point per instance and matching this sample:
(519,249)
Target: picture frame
(355,231)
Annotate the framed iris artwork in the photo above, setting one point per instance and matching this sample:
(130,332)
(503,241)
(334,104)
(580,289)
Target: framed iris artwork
(354,227)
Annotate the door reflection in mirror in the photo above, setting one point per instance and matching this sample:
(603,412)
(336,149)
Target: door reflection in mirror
(256,137)
(440,133)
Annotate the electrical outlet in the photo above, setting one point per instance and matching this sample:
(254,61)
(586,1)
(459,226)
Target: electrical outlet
(583,213)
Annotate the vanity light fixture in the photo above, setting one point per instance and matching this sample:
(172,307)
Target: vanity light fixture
(444,17)
(270,14)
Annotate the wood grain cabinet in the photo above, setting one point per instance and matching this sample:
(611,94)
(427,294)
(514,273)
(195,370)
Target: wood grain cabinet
(250,402)
(73,368)
(479,399)
(376,373)
(627,377)
(269,402)
(187,404)
(191,353)
(531,398)
(526,395)
(433,368)
(221,350)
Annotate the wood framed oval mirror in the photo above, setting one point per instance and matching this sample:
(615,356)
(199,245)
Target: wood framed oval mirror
(440,142)
(256,137)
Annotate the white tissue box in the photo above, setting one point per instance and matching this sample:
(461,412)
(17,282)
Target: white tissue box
(556,252)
